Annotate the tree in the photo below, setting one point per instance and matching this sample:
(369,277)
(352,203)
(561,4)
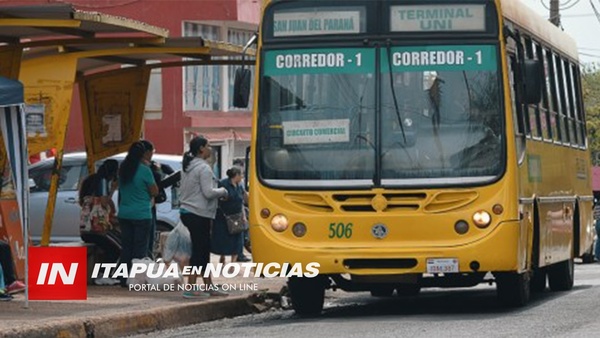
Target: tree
(590,82)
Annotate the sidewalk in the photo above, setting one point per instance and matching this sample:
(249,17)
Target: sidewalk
(112,311)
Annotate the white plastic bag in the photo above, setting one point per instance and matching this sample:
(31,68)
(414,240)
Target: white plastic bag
(178,246)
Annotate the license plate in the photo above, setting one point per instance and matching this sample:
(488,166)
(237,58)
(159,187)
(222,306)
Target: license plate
(442,265)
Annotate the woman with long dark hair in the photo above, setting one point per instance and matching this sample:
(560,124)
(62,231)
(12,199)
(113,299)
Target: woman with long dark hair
(198,200)
(136,190)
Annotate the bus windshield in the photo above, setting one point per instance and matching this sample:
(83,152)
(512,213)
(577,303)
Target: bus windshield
(328,116)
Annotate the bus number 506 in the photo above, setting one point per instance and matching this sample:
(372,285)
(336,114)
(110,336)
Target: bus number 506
(340,230)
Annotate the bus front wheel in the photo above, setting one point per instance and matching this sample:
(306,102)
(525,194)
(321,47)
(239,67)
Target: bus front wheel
(513,289)
(408,290)
(383,291)
(308,294)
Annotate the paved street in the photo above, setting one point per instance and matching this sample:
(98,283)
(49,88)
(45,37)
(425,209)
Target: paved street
(435,313)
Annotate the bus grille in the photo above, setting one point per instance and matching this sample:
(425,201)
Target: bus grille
(380,202)
(380,263)
(383,202)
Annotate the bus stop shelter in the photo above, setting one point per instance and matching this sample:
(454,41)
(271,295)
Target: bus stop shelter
(52,48)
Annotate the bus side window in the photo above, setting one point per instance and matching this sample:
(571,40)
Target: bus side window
(514,92)
(544,105)
(578,112)
(552,99)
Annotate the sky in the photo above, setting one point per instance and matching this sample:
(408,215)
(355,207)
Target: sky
(579,21)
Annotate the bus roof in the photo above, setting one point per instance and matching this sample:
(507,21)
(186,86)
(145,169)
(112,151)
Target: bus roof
(533,23)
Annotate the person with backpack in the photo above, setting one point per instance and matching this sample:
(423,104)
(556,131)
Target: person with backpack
(95,194)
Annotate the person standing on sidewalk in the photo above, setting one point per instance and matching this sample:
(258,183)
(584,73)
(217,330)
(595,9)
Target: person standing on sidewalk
(241,257)
(160,198)
(198,206)
(137,188)
(223,243)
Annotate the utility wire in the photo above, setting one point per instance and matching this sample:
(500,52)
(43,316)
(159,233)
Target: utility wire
(590,55)
(595,11)
(564,6)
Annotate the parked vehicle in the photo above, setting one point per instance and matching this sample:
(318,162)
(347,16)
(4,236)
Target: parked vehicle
(65,225)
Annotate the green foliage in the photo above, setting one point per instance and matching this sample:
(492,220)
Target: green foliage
(590,82)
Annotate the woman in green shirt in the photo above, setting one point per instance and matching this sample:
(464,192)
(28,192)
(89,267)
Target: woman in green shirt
(136,190)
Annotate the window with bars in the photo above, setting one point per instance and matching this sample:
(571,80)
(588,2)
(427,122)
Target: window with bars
(203,85)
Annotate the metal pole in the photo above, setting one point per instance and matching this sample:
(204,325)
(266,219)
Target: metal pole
(554,12)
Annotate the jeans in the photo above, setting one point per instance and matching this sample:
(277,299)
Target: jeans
(152,237)
(7,264)
(597,250)
(134,239)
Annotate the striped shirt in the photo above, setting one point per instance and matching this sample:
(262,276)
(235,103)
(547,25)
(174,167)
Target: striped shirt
(597,211)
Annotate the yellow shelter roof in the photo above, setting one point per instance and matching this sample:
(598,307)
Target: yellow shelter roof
(62,20)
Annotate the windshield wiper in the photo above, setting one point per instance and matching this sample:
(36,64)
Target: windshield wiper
(388,48)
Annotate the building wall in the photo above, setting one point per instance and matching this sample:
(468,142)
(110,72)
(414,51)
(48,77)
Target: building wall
(167,132)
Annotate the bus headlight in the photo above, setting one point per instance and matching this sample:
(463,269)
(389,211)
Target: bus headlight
(482,218)
(279,223)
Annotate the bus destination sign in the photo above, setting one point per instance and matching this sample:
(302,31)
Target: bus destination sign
(441,58)
(437,18)
(315,23)
(319,61)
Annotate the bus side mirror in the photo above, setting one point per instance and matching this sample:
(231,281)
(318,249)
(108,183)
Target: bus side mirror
(246,166)
(241,88)
(533,76)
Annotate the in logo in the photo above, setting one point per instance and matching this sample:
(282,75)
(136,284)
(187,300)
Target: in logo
(58,273)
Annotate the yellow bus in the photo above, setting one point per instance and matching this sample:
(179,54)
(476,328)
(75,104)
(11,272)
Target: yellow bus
(411,144)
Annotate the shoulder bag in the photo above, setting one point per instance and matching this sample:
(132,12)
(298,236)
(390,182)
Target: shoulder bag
(235,223)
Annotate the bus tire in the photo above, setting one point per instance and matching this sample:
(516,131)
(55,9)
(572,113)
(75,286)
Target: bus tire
(513,289)
(383,290)
(561,275)
(308,295)
(407,290)
(538,280)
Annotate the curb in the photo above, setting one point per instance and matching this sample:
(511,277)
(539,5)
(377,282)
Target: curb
(139,322)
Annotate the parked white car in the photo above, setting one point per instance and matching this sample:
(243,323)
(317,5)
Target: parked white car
(65,226)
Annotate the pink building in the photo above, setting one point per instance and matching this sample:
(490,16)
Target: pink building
(596,180)
(188,101)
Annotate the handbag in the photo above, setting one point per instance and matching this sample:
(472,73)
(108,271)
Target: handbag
(95,215)
(161,197)
(235,223)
